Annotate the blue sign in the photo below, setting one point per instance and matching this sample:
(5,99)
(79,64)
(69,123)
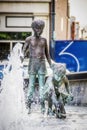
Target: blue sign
(1,71)
(72,53)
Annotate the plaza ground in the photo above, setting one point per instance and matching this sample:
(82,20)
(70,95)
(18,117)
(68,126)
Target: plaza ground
(76,119)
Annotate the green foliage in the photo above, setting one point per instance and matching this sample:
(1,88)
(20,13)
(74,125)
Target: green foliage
(4,36)
(14,35)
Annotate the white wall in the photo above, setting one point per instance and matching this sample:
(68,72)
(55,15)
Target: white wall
(34,10)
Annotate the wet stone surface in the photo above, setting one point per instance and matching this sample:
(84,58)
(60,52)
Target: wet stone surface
(76,119)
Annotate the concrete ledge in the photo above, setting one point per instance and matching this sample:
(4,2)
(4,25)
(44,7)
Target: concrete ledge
(77,76)
(78,86)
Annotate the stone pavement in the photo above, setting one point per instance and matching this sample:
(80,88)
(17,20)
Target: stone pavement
(76,120)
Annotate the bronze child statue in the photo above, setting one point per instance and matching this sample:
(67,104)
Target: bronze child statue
(38,50)
(53,92)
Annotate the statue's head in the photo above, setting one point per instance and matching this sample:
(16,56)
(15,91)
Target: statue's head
(37,26)
(59,71)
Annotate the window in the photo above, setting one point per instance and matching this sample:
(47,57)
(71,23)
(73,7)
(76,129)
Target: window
(18,21)
(4,50)
(14,35)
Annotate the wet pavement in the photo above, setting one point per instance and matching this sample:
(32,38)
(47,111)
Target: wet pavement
(76,120)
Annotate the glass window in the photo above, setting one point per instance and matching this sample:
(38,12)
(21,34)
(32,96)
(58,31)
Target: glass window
(14,35)
(4,50)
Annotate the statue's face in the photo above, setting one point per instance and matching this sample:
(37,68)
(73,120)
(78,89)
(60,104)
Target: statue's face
(38,31)
(59,71)
(58,76)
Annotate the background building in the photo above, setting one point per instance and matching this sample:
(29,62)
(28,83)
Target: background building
(62,19)
(16,17)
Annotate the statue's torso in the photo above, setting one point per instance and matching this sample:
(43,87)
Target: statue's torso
(37,47)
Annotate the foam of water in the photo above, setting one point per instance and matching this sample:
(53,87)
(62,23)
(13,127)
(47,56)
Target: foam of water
(12,102)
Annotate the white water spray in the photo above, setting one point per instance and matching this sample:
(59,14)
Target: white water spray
(12,100)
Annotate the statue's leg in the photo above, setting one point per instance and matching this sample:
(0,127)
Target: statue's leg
(31,88)
(59,106)
(55,102)
(50,112)
(41,78)
(61,113)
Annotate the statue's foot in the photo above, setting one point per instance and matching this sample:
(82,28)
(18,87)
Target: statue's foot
(29,111)
(42,103)
(61,116)
(50,112)
(42,110)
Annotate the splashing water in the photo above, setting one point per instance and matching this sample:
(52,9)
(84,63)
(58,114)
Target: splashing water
(12,100)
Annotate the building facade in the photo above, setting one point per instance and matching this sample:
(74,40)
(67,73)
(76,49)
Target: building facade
(62,24)
(16,17)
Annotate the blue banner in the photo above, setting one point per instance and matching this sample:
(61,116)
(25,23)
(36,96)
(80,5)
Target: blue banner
(1,71)
(72,53)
